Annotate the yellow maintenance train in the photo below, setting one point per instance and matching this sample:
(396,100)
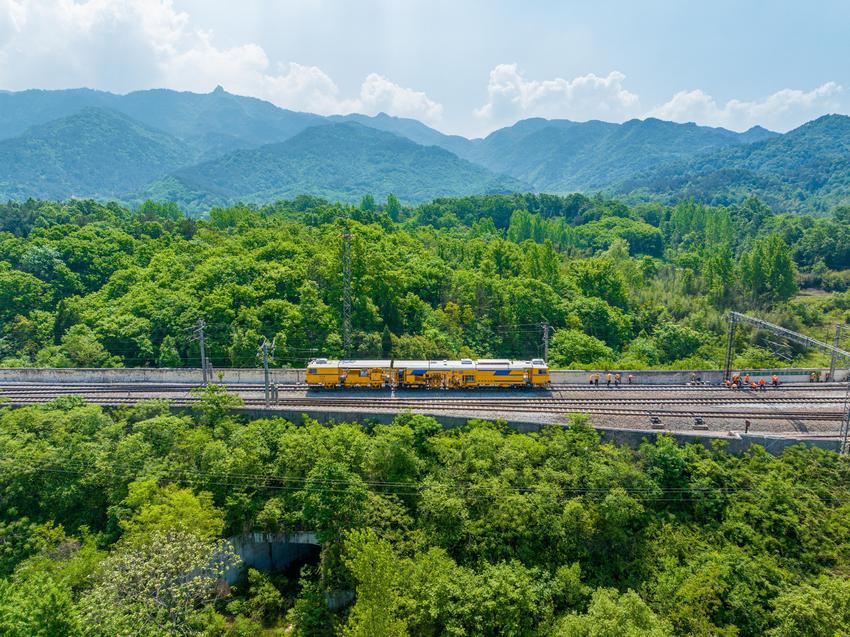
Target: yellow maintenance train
(461,374)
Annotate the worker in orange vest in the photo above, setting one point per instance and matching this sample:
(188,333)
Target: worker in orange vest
(775,380)
(761,384)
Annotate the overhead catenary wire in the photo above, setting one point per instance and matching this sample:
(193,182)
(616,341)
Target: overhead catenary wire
(259,482)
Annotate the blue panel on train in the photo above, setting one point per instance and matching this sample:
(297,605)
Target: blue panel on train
(502,372)
(419,372)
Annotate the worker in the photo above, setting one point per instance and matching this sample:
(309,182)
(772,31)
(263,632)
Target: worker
(631,378)
(775,380)
(753,386)
(590,378)
(608,379)
(812,377)
(596,379)
(693,378)
(746,379)
(617,379)
(761,384)
(728,383)
(746,426)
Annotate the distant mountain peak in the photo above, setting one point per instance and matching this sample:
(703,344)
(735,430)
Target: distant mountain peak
(830,119)
(218,90)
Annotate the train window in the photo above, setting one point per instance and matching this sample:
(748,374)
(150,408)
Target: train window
(313,371)
(469,379)
(364,373)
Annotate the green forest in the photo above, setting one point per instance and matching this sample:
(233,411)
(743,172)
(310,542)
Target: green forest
(115,523)
(87,284)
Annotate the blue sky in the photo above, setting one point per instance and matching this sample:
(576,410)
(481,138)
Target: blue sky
(464,67)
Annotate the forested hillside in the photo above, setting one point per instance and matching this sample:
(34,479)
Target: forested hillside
(86,284)
(807,169)
(114,524)
(565,156)
(96,152)
(218,149)
(196,117)
(337,161)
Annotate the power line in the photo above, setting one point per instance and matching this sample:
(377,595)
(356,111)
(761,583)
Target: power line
(331,485)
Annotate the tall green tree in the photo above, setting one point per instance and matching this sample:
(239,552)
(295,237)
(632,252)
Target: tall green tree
(375,567)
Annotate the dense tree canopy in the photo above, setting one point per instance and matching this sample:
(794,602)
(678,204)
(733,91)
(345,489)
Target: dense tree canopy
(88,284)
(115,523)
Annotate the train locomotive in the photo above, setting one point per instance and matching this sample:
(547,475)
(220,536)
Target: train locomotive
(432,374)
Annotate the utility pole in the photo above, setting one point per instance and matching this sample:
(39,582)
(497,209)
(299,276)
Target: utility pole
(346,293)
(836,343)
(730,344)
(264,350)
(545,327)
(199,334)
(845,424)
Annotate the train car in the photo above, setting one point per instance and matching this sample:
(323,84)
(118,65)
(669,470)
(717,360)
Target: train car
(434,374)
(373,374)
(502,373)
(427,374)
(538,373)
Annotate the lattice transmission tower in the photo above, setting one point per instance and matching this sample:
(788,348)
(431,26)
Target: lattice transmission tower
(346,293)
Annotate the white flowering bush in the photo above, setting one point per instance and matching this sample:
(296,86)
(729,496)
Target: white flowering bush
(159,587)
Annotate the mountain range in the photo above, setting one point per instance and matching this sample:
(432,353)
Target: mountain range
(203,150)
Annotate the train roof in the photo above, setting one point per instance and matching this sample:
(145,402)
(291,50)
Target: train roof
(347,363)
(463,363)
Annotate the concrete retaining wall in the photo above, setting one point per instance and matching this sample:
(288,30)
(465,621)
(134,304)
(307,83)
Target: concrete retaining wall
(673,377)
(254,376)
(145,375)
(737,442)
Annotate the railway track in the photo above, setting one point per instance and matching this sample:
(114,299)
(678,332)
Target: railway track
(645,408)
(446,399)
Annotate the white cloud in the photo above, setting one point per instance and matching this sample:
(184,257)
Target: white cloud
(377,94)
(782,110)
(123,45)
(511,97)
